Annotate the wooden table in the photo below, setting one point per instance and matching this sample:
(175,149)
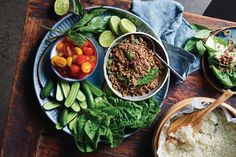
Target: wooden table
(29,133)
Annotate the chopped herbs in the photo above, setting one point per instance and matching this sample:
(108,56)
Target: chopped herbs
(148,78)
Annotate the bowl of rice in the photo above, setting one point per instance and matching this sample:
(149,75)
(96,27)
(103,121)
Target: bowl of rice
(132,68)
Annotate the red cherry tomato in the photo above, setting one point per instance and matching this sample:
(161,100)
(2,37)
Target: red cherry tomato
(93,65)
(68,51)
(81,75)
(88,51)
(86,67)
(81,59)
(84,48)
(75,69)
(86,44)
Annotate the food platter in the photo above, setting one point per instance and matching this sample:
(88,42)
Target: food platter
(204,60)
(42,70)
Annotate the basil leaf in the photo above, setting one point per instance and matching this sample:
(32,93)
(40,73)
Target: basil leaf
(220,41)
(77,38)
(87,17)
(77,8)
(191,44)
(148,78)
(130,54)
(200,47)
(197,27)
(228,79)
(202,34)
(96,25)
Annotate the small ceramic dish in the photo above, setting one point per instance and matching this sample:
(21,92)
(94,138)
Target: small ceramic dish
(65,73)
(157,48)
(227,33)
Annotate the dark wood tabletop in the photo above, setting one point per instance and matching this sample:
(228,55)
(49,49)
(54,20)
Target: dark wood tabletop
(29,133)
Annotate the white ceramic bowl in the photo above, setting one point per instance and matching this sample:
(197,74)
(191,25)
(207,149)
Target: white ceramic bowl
(54,53)
(162,78)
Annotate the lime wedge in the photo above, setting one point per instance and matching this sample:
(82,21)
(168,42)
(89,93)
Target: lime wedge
(127,26)
(114,24)
(61,7)
(106,38)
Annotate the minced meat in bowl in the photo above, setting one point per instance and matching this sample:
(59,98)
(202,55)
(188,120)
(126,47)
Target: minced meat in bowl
(132,66)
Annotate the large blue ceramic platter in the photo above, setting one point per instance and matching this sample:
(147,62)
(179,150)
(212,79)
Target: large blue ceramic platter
(42,70)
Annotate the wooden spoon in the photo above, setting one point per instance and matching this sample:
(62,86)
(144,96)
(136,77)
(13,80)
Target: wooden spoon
(196,119)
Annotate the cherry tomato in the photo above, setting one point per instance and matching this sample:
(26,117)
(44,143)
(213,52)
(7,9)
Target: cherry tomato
(68,50)
(58,61)
(86,44)
(59,46)
(88,51)
(78,51)
(92,58)
(81,75)
(75,69)
(81,59)
(86,67)
(93,64)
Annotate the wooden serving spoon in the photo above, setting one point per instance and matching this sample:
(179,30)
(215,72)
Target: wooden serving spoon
(196,119)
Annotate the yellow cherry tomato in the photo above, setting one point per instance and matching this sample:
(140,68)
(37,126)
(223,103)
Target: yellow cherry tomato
(74,58)
(92,58)
(59,46)
(86,67)
(78,51)
(60,54)
(69,61)
(58,61)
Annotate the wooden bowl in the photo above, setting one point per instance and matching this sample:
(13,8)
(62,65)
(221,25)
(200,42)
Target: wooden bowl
(175,108)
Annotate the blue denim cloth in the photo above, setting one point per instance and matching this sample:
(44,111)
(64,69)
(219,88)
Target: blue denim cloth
(166,19)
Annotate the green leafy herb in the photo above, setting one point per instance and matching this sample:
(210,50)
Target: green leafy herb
(200,47)
(88,17)
(148,78)
(96,25)
(77,8)
(120,77)
(130,54)
(191,44)
(108,120)
(202,34)
(77,38)
(197,27)
(228,79)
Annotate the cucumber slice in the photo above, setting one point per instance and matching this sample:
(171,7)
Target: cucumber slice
(59,93)
(81,96)
(95,90)
(50,105)
(63,117)
(72,95)
(72,124)
(75,107)
(71,116)
(58,126)
(47,89)
(88,94)
(83,105)
(65,86)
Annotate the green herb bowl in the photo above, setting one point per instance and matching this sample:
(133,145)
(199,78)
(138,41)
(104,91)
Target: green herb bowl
(157,47)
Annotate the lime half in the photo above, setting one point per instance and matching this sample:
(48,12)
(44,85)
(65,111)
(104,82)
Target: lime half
(127,26)
(61,7)
(114,24)
(106,38)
